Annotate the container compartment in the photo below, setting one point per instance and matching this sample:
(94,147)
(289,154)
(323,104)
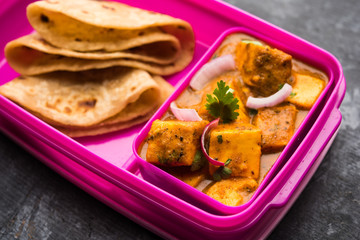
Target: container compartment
(181,190)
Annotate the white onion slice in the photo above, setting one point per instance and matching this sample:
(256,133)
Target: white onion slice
(270,101)
(212,69)
(184,114)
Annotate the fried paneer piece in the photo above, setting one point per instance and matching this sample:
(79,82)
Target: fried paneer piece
(306,89)
(232,191)
(174,142)
(263,69)
(277,125)
(239,142)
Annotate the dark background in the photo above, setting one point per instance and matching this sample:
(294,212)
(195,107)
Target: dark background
(36,203)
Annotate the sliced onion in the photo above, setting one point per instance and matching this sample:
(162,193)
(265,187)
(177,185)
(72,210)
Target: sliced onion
(184,114)
(206,131)
(212,69)
(270,101)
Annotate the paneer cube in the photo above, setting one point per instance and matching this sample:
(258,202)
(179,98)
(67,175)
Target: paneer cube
(277,125)
(239,142)
(232,191)
(174,143)
(262,68)
(306,89)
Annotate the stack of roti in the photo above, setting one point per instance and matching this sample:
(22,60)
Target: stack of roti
(92,67)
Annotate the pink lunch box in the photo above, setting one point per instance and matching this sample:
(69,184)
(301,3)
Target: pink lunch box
(109,168)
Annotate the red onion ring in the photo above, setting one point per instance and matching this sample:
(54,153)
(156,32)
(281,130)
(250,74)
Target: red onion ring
(184,114)
(212,69)
(270,101)
(206,131)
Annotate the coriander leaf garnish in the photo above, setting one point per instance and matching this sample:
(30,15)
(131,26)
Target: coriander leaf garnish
(281,86)
(227,162)
(253,112)
(199,161)
(223,104)
(292,94)
(222,172)
(219,138)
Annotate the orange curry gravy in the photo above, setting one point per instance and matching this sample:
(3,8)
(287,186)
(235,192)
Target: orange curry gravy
(191,98)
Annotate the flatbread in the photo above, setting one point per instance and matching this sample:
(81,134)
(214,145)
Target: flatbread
(128,117)
(92,67)
(85,25)
(32,55)
(80,98)
(161,52)
(100,30)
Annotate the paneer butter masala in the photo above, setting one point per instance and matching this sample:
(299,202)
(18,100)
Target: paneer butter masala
(225,131)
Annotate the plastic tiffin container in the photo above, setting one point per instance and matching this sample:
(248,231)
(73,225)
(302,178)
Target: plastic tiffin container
(109,168)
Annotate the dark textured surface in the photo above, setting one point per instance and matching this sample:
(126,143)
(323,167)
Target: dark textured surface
(36,203)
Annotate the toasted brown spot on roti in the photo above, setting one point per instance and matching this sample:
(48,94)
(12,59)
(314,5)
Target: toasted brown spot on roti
(87,103)
(108,7)
(67,110)
(44,18)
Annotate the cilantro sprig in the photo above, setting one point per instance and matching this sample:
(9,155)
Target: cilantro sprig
(222,172)
(223,104)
